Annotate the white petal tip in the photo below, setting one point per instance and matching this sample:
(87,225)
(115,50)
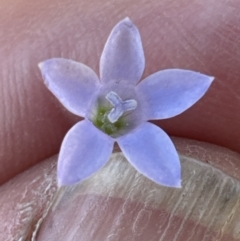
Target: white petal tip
(66,183)
(59,183)
(179,185)
(40,65)
(62,184)
(175,185)
(211,78)
(127,21)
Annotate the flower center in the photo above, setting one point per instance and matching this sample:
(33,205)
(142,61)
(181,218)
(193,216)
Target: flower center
(110,114)
(119,106)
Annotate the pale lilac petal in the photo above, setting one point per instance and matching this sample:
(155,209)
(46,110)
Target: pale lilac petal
(84,150)
(73,83)
(149,149)
(169,92)
(123,59)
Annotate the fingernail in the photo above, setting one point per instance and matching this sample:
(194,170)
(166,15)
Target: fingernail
(24,199)
(118,203)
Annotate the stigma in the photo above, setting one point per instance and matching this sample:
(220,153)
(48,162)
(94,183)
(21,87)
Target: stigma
(119,106)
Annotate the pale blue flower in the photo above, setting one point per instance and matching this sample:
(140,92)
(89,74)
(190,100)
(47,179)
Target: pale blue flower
(117,107)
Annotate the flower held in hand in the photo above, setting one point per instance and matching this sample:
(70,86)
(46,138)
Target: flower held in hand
(117,108)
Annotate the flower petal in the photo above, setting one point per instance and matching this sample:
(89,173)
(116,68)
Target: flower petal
(169,92)
(84,150)
(123,57)
(149,149)
(73,83)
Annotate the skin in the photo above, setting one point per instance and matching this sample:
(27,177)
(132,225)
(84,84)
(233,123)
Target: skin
(199,35)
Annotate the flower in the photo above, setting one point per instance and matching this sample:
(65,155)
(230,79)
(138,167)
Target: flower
(117,107)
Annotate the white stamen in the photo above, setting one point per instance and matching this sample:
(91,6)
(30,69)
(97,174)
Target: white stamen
(119,106)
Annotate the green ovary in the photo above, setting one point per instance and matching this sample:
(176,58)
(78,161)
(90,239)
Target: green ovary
(101,122)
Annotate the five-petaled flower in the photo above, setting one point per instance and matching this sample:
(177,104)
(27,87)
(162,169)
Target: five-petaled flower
(117,107)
